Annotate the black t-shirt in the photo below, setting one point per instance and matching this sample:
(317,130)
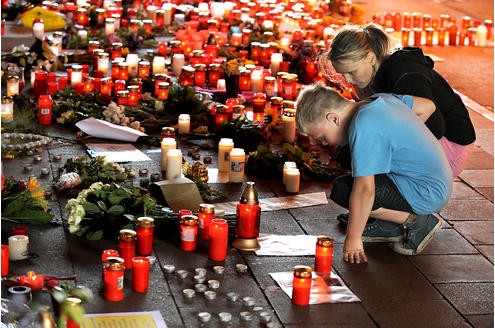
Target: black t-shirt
(410,72)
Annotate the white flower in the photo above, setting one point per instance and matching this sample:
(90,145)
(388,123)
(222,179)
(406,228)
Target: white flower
(96,186)
(71,203)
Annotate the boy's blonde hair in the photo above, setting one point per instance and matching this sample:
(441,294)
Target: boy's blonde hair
(314,102)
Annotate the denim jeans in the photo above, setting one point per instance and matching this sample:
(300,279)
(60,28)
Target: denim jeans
(386,193)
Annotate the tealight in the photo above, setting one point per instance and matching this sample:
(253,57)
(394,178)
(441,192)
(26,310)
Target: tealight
(200,272)
(210,295)
(265,316)
(213,284)
(199,279)
(200,288)
(246,316)
(241,268)
(225,317)
(189,293)
(232,296)
(204,316)
(248,301)
(182,274)
(169,268)
(218,269)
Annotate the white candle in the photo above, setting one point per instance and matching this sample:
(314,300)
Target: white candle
(287,166)
(167,144)
(18,247)
(12,85)
(151,11)
(109,26)
(288,127)
(180,19)
(83,35)
(268,24)
(292,180)
(39,30)
(103,62)
(327,33)
(481,32)
(276,58)
(55,49)
(174,164)
(217,10)
(7,112)
(237,160)
(257,80)
(167,7)
(177,63)
(184,123)
(221,84)
(76,75)
(132,60)
(159,65)
(203,8)
(224,147)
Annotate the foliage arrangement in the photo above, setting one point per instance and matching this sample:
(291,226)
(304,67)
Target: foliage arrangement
(104,209)
(97,169)
(198,173)
(24,202)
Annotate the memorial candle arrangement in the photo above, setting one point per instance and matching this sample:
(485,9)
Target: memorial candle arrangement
(301,285)
(145,226)
(324,254)
(174,164)
(289,125)
(166,145)
(237,159)
(184,121)
(224,148)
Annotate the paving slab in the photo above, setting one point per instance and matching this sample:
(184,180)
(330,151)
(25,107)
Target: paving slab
(481,321)
(462,210)
(461,190)
(449,241)
(478,178)
(486,251)
(469,298)
(476,232)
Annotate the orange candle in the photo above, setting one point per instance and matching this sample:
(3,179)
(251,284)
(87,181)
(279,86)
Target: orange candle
(144,69)
(245,80)
(88,86)
(162,92)
(301,285)
(324,254)
(200,75)
(405,36)
(429,36)
(189,232)
(218,240)
(140,274)
(106,87)
(134,95)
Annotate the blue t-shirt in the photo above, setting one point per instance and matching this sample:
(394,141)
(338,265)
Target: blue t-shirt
(387,137)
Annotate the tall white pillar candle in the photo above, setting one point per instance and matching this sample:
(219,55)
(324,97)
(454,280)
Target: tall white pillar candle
(109,26)
(289,127)
(224,147)
(159,65)
(275,60)
(18,247)
(257,80)
(178,61)
(237,161)
(174,164)
(167,7)
(292,180)
(481,33)
(184,123)
(76,75)
(167,144)
(287,166)
(132,60)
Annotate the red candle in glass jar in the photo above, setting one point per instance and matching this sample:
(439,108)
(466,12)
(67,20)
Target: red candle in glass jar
(145,227)
(206,213)
(452,34)
(40,82)
(140,274)
(405,36)
(441,36)
(20,230)
(123,97)
(106,87)
(214,73)
(92,45)
(119,85)
(162,93)
(324,254)
(114,279)
(162,49)
(127,246)
(245,80)
(429,36)
(181,213)
(109,253)
(5,260)
(200,75)
(417,36)
(189,232)
(45,109)
(221,115)
(218,240)
(62,83)
(301,285)
(134,95)
(116,69)
(407,20)
(88,85)
(259,102)
(123,71)
(144,69)
(248,214)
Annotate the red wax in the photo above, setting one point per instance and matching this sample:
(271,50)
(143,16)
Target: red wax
(162,49)
(114,283)
(140,274)
(45,109)
(62,83)
(219,235)
(5,260)
(20,230)
(144,240)
(134,97)
(188,237)
(205,215)
(40,82)
(259,102)
(127,250)
(213,77)
(323,259)
(301,290)
(248,220)
(109,253)
(200,78)
(183,212)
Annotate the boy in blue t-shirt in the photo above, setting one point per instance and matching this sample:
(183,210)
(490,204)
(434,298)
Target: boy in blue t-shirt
(400,174)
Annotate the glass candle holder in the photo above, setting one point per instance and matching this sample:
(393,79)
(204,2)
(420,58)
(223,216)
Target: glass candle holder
(221,115)
(248,213)
(245,80)
(237,159)
(324,254)
(200,75)
(127,246)
(144,69)
(12,85)
(123,97)
(7,110)
(186,77)
(88,85)
(145,226)
(189,232)
(206,213)
(259,102)
(184,121)
(224,147)
(45,109)
(106,87)
(40,82)
(163,88)
(301,285)
(218,240)
(134,95)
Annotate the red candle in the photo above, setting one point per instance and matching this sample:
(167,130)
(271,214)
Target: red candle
(20,230)
(205,215)
(40,82)
(259,102)
(189,232)
(200,75)
(441,36)
(181,213)
(160,18)
(221,115)
(109,253)
(405,36)
(301,285)
(45,109)
(5,260)
(88,86)
(144,69)
(106,87)
(407,20)
(127,246)
(71,302)
(453,34)
(140,274)
(123,71)
(114,279)
(93,45)
(218,239)
(186,77)
(324,254)
(214,73)
(116,50)
(429,36)
(162,49)
(123,97)
(62,83)
(33,280)
(245,80)
(119,85)
(417,36)
(162,93)
(248,213)
(145,235)
(134,95)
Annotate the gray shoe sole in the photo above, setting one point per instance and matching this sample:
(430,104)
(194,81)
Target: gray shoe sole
(400,249)
(393,239)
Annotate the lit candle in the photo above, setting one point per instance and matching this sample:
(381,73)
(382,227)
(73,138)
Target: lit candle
(221,84)
(429,36)
(275,60)
(248,213)
(144,69)
(140,274)
(257,80)
(166,145)
(134,95)
(162,49)
(109,26)
(188,232)
(287,165)
(481,35)
(218,240)
(76,75)
(167,17)
(224,147)
(237,159)
(106,87)
(162,92)
(88,86)
(184,123)
(132,61)
(301,285)
(292,180)
(18,247)
(259,102)
(289,125)
(12,85)
(103,63)
(235,39)
(178,61)
(5,260)
(206,213)
(324,254)
(174,164)
(7,110)
(124,71)
(127,246)
(159,65)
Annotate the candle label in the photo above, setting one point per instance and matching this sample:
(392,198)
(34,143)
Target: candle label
(201,223)
(237,166)
(45,111)
(187,235)
(226,157)
(120,282)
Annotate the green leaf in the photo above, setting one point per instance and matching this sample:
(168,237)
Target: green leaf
(91,208)
(116,210)
(115,199)
(14,206)
(101,204)
(94,235)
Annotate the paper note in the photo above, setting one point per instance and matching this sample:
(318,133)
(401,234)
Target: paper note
(299,245)
(152,319)
(117,153)
(103,129)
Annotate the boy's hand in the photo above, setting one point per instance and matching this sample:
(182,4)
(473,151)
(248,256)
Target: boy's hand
(354,251)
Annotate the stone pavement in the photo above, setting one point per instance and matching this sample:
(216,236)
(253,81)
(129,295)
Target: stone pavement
(450,284)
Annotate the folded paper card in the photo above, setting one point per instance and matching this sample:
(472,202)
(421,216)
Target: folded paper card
(103,129)
(178,194)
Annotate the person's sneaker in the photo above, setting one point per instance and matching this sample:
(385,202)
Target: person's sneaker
(383,231)
(418,235)
(344,219)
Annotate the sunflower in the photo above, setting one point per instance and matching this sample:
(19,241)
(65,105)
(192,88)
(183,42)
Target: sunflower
(35,189)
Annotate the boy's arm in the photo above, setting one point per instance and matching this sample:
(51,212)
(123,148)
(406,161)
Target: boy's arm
(360,205)
(423,108)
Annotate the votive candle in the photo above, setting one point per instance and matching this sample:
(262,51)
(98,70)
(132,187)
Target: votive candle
(189,232)
(292,180)
(174,164)
(184,123)
(140,274)
(224,147)
(166,145)
(18,247)
(145,227)
(237,159)
(324,254)
(301,285)
(206,213)
(218,240)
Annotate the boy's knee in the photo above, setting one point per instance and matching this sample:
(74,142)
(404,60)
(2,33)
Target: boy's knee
(341,190)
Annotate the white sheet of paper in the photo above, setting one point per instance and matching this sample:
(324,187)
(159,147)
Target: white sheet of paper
(324,289)
(279,245)
(279,203)
(117,153)
(103,129)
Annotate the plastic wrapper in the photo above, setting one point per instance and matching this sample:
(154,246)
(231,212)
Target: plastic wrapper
(68,180)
